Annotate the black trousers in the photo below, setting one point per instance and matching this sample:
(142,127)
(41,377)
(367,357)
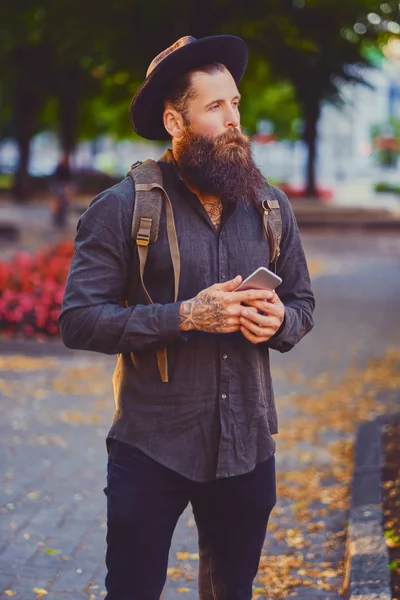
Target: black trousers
(144,503)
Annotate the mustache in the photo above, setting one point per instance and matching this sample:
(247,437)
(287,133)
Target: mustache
(232,135)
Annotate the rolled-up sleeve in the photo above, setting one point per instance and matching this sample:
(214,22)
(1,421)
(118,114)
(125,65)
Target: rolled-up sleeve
(93,315)
(295,290)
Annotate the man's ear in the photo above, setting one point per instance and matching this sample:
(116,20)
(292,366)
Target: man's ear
(173,121)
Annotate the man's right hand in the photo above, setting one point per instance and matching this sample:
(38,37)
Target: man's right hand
(218,309)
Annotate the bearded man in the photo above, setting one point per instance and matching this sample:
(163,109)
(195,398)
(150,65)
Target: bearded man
(205,437)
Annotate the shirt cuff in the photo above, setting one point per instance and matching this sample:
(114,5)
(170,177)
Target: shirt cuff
(284,328)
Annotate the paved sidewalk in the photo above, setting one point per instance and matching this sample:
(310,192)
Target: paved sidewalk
(56,412)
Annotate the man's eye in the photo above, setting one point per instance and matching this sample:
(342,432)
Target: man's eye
(214,106)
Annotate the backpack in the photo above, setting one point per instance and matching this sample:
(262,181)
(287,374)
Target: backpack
(149,193)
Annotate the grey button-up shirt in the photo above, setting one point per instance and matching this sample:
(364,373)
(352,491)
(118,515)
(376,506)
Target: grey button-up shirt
(216,416)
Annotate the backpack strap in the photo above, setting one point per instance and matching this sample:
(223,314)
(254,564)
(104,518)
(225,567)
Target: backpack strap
(272,221)
(149,194)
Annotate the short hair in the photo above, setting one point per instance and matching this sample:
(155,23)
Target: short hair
(182,89)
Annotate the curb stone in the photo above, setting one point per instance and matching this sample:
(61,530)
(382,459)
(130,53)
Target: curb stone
(367,574)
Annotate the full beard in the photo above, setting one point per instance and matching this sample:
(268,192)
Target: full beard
(223,167)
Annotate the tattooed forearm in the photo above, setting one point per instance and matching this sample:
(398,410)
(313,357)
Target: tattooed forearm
(205,313)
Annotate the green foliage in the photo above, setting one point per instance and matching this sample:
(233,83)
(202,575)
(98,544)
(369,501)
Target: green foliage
(390,534)
(73,66)
(394,565)
(386,141)
(383,187)
(266,98)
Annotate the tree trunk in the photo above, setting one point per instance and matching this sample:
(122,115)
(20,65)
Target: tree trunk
(20,189)
(68,109)
(311,115)
(68,127)
(27,102)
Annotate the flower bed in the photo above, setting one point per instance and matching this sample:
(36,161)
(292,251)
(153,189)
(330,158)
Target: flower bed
(31,291)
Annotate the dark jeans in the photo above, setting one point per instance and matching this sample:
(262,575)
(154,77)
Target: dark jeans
(144,502)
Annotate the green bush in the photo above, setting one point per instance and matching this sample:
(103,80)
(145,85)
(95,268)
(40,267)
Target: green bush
(387,187)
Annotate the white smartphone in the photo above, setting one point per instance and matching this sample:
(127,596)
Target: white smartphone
(261,279)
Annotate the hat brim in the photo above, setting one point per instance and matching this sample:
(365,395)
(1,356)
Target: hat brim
(147,106)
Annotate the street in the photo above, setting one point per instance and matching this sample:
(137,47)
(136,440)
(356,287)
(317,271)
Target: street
(56,411)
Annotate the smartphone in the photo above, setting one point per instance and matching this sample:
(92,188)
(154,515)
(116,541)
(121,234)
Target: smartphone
(261,279)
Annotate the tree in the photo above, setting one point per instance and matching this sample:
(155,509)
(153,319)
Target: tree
(301,51)
(43,62)
(25,65)
(316,47)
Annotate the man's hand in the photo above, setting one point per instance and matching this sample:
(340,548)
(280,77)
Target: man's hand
(218,309)
(258,327)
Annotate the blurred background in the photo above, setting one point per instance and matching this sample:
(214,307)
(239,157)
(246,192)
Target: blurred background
(321,102)
(321,96)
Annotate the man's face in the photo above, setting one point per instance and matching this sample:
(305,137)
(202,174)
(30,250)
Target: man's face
(212,153)
(214,110)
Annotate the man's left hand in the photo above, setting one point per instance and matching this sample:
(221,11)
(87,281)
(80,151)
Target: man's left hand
(258,328)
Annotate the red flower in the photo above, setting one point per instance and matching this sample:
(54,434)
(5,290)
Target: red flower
(31,290)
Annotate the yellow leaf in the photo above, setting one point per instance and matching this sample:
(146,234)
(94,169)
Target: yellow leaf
(194,556)
(182,590)
(40,591)
(9,592)
(33,495)
(182,555)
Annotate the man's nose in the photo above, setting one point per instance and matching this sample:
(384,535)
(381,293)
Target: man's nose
(232,120)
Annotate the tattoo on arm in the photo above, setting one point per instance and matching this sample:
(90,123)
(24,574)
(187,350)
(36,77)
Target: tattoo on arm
(204,313)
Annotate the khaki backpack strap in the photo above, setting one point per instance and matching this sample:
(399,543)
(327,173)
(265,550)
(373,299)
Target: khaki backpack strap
(272,222)
(145,229)
(171,233)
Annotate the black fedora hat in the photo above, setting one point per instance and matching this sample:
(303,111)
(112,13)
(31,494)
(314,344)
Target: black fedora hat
(188,53)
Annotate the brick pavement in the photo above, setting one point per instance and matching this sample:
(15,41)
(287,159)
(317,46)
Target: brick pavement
(57,410)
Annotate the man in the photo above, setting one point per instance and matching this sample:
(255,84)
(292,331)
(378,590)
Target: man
(204,437)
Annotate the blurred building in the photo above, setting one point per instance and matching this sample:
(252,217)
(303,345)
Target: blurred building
(345,151)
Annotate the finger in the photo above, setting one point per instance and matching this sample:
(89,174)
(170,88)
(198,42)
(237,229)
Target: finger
(229,286)
(233,321)
(254,339)
(268,307)
(250,295)
(259,319)
(256,329)
(257,305)
(275,298)
(236,309)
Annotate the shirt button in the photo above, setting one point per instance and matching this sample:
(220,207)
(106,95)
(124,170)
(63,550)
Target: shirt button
(223,276)
(223,396)
(224,356)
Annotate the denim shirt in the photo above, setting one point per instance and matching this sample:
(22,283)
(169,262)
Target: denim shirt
(216,416)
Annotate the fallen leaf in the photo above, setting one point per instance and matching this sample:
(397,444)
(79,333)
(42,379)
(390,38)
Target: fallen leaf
(182,555)
(40,592)
(33,495)
(183,590)
(9,592)
(51,551)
